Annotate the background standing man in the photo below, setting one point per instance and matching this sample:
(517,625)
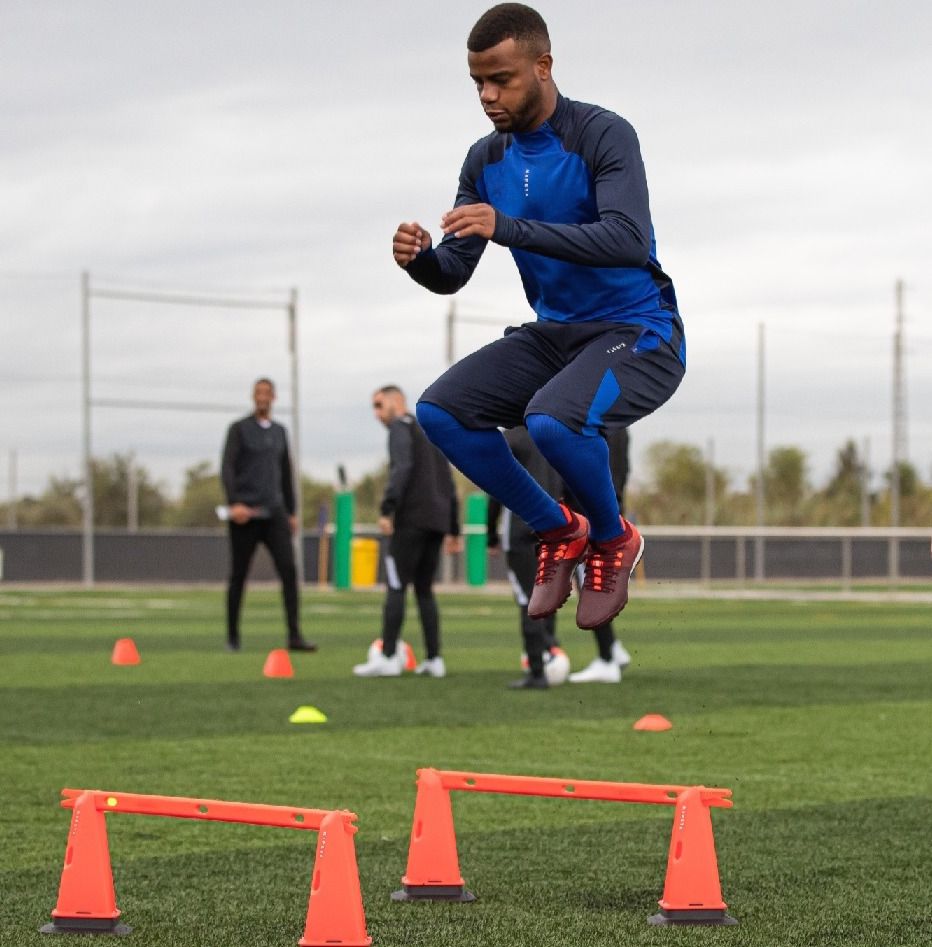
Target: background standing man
(418,509)
(259,485)
(562,185)
(510,534)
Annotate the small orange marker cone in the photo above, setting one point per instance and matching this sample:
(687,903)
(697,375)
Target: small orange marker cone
(278,664)
(433,872)
(334,910)
(125,652)
(653,722)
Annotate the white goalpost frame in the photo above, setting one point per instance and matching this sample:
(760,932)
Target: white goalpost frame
(289,307)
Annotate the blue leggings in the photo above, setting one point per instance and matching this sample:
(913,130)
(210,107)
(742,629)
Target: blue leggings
(485,458)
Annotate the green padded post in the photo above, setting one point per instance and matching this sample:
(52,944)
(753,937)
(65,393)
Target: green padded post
(477,510)
(343,540)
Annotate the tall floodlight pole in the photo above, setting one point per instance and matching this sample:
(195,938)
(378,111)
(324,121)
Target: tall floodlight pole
(706,564)
(296,432)
(11,520)
(87,539)
(866,484)
(759,541)
(451,328)
(899,410)
(710,483)
(132,495)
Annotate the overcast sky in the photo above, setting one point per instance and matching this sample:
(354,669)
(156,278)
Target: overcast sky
(236,147)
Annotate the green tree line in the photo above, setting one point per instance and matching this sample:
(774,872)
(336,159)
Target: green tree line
(676,487)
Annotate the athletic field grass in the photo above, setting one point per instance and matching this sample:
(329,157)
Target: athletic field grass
(817,715)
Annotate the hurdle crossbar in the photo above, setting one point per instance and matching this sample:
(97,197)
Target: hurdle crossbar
(210,810)
(578,788)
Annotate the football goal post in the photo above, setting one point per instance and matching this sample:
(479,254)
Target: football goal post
(109,290)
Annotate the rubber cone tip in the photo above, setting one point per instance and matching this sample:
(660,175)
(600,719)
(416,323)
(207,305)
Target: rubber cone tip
(654,722)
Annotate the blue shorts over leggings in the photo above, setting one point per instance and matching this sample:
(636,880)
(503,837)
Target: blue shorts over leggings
(592,376)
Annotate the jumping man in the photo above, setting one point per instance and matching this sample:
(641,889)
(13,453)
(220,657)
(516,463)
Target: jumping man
(562,185)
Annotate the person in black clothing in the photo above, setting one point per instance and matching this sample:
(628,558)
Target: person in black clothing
(518,541)
(259,486)
(418,509)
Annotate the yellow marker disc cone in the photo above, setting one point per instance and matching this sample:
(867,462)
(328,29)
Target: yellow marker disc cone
(307,715)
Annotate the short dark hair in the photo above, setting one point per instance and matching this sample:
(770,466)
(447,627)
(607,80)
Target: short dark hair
(389,390)
(264,381)
(514,21)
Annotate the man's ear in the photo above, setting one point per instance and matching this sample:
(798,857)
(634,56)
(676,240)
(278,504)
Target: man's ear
(543,67)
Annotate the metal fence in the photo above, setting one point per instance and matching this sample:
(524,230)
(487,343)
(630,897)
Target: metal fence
(740,554)
(695,554)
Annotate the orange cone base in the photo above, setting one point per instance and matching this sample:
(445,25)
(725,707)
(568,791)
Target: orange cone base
(310,942)
(85,925)
(433,893)
(668,918)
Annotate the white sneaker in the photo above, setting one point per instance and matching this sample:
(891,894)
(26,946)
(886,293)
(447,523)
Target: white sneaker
(380,666)
(432,667)
(598,672)
(620,655)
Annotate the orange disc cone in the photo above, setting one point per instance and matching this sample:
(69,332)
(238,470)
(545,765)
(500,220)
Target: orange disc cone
(125,652)
(653,722)
(278,664)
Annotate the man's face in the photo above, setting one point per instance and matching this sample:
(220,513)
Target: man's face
(263,395)
(510,80)
(385,407)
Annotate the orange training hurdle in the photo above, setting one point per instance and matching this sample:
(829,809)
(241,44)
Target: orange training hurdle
(692,893)
(86,897)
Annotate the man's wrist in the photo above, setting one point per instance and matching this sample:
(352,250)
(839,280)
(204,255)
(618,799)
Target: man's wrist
(504,232)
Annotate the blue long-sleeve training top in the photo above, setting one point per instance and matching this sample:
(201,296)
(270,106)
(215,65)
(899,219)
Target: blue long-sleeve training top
(571,204)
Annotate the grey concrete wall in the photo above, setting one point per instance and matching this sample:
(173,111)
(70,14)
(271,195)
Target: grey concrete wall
(146,556)
(202,556)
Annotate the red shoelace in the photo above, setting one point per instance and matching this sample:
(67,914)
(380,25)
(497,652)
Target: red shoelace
(549,554)
(602,569)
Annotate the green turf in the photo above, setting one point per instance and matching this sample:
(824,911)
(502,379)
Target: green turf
(817,715)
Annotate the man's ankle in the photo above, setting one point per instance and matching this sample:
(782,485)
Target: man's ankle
(566,529)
